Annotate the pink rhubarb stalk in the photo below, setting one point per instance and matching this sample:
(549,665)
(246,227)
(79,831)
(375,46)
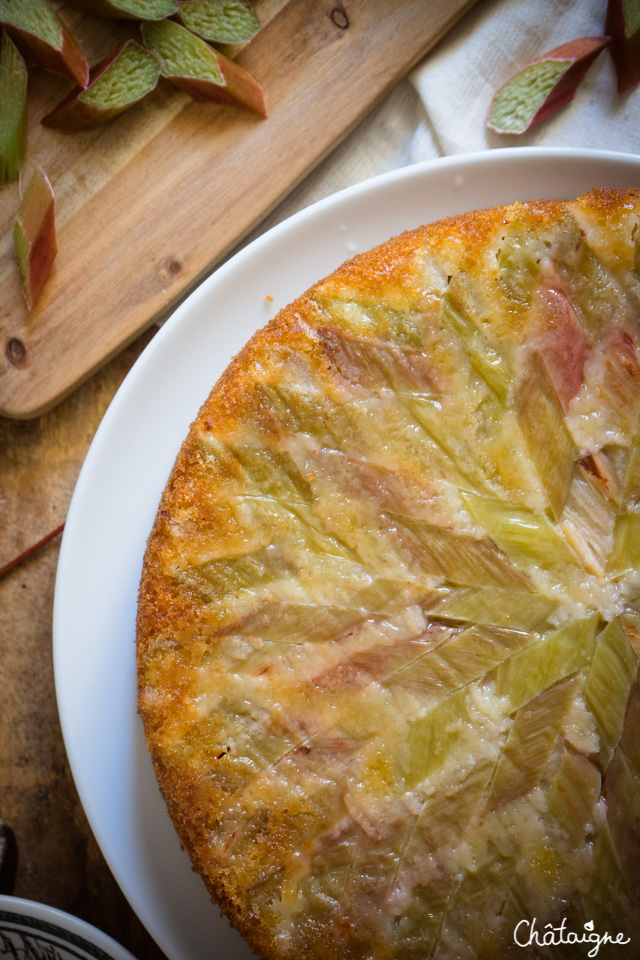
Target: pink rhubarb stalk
(34,236)
(543,86)
(623,26)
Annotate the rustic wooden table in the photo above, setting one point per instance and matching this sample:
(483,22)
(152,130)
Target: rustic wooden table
(59,860)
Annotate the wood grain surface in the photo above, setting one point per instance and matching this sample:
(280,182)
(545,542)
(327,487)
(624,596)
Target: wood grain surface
(147,204)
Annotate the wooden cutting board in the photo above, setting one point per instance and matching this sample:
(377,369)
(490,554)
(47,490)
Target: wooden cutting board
(149,203)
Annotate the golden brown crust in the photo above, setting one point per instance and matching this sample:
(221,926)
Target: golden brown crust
(373,326)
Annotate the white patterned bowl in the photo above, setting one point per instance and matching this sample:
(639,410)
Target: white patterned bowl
(40,932)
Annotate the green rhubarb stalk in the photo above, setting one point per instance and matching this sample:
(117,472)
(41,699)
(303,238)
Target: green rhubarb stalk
(573,795)
(533,735)
(127,9)
(43,39)
(519,258)
(117,82)
(587,524)
(613,670)
(483,356)
(430,737)
(300,623)
(463,658)
(626,543)
(564,652)
(606,898)
(631,485)
(525,537)
(465,471)
(204,73)
(548,441)
(516,609)
(621,790)
(462,560)
(13,111)
(629,741)
(220,21)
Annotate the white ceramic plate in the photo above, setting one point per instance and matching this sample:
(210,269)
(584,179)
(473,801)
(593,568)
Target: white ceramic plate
(33,930)
(127,466)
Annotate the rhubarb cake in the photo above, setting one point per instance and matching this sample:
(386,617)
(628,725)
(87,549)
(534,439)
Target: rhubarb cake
(389,617)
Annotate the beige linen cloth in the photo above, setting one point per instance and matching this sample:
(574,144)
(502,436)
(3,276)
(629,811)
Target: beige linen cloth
(440,109)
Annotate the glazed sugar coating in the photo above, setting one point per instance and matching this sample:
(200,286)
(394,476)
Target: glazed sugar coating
(389,618)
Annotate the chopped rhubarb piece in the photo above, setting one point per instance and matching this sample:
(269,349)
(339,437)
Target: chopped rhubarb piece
(34,236)
(609,679)
(524,536)
(564,344)
(127,9)
(541,665)
(543,86)
(574,794)
(631,481)
(587,523)
(460,659)
(626,546)
(532,737)
(483,356)
(540,416)
(623,26)
(43,39)
(220,21)
(517,609)
(204,73)
(117,82)
(621,790)
(13,111)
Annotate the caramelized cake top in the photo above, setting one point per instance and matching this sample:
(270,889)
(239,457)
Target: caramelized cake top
(389,619)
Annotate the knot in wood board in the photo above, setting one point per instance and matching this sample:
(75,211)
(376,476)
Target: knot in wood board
(16,352)
(340,18)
